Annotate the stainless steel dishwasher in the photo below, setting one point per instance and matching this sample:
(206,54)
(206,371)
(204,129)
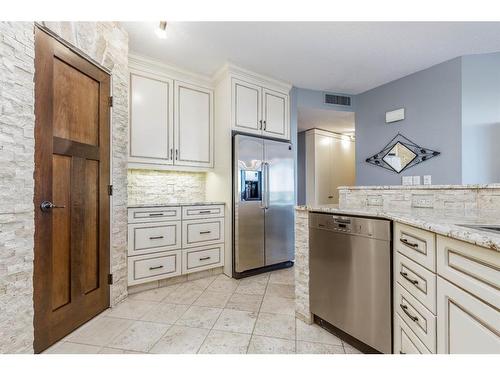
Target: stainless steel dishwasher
(350,276)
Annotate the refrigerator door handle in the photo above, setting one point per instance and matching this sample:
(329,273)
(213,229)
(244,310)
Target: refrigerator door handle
(266,185)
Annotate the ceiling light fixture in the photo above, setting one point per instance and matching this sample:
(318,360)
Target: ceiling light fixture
(161,31)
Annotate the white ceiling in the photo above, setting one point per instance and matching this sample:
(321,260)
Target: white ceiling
(334,121)
(347,57)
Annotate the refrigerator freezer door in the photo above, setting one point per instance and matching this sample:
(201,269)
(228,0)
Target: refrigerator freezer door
(279,200)
(248,204)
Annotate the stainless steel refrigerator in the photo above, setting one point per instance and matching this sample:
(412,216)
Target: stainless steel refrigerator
(264,198)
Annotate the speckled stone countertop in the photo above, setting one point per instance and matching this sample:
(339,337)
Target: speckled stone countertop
(421,187)
(146,205)
(428,220)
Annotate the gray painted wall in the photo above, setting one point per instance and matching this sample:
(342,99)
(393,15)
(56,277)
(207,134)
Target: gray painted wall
(301,168)
(481,118)
(432,101)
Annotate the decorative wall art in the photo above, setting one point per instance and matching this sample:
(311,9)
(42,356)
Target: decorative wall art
(400,154)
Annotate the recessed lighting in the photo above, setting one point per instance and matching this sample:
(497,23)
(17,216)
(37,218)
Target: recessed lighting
(161,31)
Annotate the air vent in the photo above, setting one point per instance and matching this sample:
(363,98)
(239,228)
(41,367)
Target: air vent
(337,99)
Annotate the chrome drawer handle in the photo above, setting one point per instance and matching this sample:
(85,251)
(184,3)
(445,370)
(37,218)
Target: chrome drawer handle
(408,243)
(156,238)
(155,268)
(205,258)
(405,275)
(158,214)
(405,310)
(206,232)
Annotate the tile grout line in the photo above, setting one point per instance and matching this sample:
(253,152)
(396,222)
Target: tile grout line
(258,312)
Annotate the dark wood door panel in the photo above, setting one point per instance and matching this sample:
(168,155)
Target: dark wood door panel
(76,104)
(71,171)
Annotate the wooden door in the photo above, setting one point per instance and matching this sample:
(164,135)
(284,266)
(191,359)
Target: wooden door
(247,112)
(275,114)
(194,131)
(151,125)
(71,264)
(465,324)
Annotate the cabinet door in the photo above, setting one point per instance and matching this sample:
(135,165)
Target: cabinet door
(151,131)
(246,107)
(466,325)
(405,340)
(194,133)
(275,114)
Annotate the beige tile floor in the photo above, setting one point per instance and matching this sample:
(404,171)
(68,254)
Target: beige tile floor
(212,315)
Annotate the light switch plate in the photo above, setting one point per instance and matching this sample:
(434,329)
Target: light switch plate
(416,180)
(407,180)
(428,179)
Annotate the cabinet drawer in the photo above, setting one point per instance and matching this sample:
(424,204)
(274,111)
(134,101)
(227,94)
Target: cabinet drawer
(421,321)
(153,214)
(152,267)
(202,212)
(202,232)
(417,280)
(473,268)
(202,258)
(416,244)
(405,340)
(153,237)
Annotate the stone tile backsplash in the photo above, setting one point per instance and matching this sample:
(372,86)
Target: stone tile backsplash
(466,201)
(154,186)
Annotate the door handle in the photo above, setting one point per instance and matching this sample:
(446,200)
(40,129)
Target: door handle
(408,243)
(176,154)
(206,232)
(260,122)
(171,154)
(205,258)
(46,206)
(405,310)
(405,276)
(156,238)
(266,185)
(265,125)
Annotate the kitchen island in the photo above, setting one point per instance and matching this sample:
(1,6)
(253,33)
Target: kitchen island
(442,247)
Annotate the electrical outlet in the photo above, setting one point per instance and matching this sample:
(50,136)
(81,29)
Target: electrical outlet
(375,200)
(422,200)
(407,180)
(428,179)
(416,180)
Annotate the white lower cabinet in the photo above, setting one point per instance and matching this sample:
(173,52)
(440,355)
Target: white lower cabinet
(169,241)
(446,294)
(405,340)
(466,325)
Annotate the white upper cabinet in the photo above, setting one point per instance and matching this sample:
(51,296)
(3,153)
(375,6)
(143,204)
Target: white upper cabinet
(193,125)
(247,107)
(259,109)
(151,136)
(275,114)
(171,118)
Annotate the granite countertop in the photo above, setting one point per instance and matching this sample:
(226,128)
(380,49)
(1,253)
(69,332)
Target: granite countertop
(146,205)
(428,220)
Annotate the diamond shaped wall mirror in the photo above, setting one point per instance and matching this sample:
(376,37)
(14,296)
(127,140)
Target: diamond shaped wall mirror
(401,153)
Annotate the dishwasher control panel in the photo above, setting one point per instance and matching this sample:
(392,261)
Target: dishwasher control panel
(369,227)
